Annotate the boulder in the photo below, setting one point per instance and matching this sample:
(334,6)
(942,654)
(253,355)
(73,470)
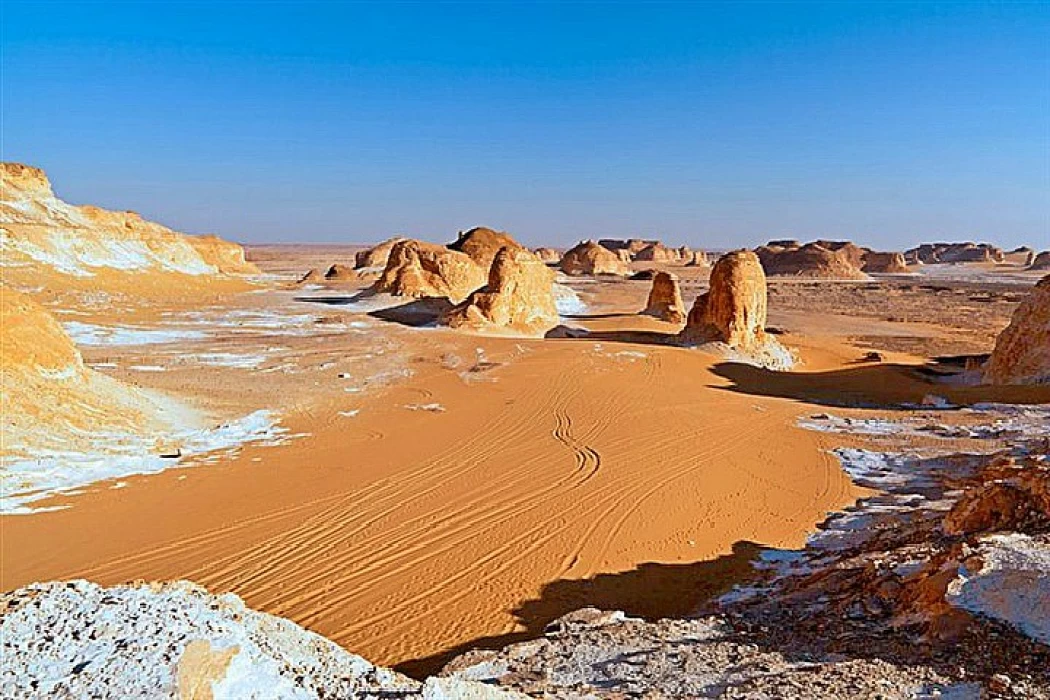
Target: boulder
(482,244)
(733,311)
(378,255)
(1022,350)
(548,255)
(812,260)
(340,273)
(884,263)
(665,299)
(590,258)
(420,270)
(519,297)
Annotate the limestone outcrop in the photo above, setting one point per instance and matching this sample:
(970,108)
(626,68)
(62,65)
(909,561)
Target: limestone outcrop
(377,255)
(518,298)
(312,276)
(968,252)
(41,236)
(699,259)
(590,258)
(340,273)
(1022,350)
(733,311)
(657,252)
(419,270)
(812,260)
(884,263)
(665,299)
(482,244)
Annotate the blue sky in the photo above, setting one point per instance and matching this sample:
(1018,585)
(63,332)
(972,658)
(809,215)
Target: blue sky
(708,124)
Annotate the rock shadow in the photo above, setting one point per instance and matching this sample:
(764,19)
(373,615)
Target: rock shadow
(421,312)
(651,591)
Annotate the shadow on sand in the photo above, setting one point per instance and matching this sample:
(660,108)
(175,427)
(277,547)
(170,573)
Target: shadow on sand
(651,591)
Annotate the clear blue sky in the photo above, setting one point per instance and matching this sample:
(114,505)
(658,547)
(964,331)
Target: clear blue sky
(709,124)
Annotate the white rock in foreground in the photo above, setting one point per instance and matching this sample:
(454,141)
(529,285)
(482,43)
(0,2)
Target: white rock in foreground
(171,640)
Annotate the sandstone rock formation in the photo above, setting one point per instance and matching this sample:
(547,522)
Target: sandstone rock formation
(376,256)
(657,252)
(519,297)
(42,235)
(340,273)
(933,253)
(1041,261)
(482,244)
(548,255)
(665,299)
(590,258)
(733,311)
(685,254)
(812,260)
(418,270)
(1021,255)
(312,276)
(699,259)
(1022,350)
(632,245)
(885,263)
(846,249)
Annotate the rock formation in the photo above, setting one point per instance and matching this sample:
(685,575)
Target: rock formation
(312,276)
(589,258)
(733,311)
(42,235)
(1022,350)
(419,270)
(699,259)
(665,299)
(548,255)
(1041,261)
(482,244)
(377,256)
(340,273)
(657,252)
(631,245)
(884,263)
(812,260)
(685,254)
(933,253)
(846,249)
(519,297)
(1022,255)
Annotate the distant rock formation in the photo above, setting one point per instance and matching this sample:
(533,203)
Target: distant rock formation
(1022,350)
(884,263)
(376,256)
(548,255)
(812,260)
(1041,261)
(1022,255)
(733,312)
(846,249)
(313,276)
(632,245)
(685,254)
(699,259)
(933,253)
(43,235)
(590,258)
(657,252)
(340,273)
(419,270)
(482,244)
(519,297)
(665,299)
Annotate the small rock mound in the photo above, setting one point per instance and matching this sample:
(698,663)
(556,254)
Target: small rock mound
(548,255)
(420,270)
(340,273)
(812,260)
(590,258)
(482,244)
(733,311)
(1041,261)
(665,299)
(1022,350)
(313,276)
(377,256)
(884,263)
(519,297)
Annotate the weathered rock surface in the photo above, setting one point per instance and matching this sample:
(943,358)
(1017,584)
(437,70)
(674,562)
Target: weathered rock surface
(733,311)
(376,256)
(657,252)
(590,258)
(312,276)
(1041,261)
(340,273)
(548,255)
(482,244)
(665,299)
(699,259)
(933,253)
(1022,350)
(812,260)
(631,245)
(884,263)
(1022,255)
(519,297)
(43,234)
(419,270)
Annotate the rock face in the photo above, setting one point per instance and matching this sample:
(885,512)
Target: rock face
(420,270)
(42,234)
(1022,255)
(377,256)
(1041,261)
(549,256)
(812,260)
(482,244)
(733,311)
(1022,350)
(171,640)
(519,297)
(590,258)
(846,249)
(665,299)
(885,263)
(340,273)
(933,253)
